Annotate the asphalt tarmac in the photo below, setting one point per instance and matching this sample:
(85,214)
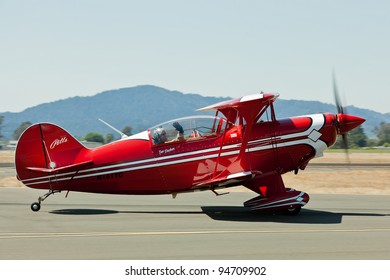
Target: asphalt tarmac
(192,226)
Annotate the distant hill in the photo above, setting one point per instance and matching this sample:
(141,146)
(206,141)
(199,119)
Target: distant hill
(144,106)
(139,107)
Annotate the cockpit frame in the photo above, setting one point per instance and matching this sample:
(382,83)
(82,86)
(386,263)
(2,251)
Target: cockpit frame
(188,129)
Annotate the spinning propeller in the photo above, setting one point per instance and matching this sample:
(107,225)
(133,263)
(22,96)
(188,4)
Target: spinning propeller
(345,122)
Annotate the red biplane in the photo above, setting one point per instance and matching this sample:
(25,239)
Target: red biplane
(242,144)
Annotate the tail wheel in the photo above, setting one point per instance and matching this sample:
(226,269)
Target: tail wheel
(35,206)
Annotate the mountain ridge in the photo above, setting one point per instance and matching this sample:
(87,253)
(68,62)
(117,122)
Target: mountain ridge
(146,105)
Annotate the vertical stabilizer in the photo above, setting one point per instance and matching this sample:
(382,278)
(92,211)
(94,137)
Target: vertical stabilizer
(44,147)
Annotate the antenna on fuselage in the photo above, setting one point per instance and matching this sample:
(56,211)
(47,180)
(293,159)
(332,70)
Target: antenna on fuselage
(115,129)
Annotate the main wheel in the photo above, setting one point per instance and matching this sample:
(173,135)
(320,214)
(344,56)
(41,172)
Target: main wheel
(35,206)
(292,211)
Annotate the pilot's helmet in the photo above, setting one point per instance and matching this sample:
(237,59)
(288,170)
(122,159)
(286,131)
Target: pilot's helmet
(158,135)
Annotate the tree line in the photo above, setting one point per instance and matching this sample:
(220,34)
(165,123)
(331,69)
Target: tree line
(99,138)
(356,138)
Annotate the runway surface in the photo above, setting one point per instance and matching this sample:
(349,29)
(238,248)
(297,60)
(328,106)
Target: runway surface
(192,226)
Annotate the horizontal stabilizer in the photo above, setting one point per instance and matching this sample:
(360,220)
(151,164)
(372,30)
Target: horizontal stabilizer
(70,167)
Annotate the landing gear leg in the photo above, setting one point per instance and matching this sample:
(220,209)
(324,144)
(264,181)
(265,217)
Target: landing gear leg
(36,206)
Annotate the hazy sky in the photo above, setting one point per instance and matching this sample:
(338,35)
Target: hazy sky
(52,50)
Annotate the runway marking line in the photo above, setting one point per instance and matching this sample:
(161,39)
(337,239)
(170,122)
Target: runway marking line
(113,234)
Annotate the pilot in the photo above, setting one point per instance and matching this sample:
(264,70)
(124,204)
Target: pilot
(159,135)
(180,131)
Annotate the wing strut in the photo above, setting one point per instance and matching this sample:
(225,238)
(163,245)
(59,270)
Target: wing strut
(247,110)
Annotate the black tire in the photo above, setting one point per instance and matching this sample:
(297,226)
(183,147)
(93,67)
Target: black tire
(35,206)
(292,211)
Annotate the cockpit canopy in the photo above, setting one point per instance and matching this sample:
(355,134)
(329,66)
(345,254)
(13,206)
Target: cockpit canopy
(189,128)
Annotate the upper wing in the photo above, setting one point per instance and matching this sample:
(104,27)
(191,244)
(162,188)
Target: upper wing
(250,107)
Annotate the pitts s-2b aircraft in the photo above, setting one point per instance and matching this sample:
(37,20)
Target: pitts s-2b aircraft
(242,144)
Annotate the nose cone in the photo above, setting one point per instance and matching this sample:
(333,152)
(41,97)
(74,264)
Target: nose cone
(348,122)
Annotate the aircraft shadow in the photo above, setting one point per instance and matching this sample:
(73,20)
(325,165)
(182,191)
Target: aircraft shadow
(234,214)
(104,212)
(83,212)
(307,216)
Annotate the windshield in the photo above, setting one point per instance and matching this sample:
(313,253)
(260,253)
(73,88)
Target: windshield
(189,128)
